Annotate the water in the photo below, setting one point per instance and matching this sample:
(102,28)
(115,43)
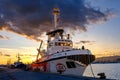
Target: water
(112,71)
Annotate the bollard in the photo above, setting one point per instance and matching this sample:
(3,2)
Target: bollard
(102,75)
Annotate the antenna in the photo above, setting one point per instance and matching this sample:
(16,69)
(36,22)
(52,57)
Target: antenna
(18,57)
(56,13)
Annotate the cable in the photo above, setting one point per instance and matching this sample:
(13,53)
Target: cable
(91,67)
(92,70)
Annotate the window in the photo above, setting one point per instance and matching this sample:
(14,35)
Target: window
(59,44)
(69,44)
(56,44)
(63,44)
(71,65)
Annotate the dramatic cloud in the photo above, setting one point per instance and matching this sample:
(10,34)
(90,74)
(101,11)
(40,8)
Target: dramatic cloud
(7,55)
(27,55)
(31,18)
(2,37)
(1,54)
(85,42)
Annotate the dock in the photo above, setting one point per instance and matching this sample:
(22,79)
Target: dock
(17,74)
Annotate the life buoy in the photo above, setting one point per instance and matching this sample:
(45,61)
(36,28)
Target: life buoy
(60,67)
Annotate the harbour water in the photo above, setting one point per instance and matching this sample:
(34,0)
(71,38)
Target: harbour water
(112,70)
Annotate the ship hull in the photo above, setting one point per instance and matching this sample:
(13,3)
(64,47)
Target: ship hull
(67,65)
(61,66)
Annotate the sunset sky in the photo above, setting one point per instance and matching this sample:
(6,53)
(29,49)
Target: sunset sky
(93,23)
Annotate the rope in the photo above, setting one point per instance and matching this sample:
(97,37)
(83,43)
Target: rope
(92,70)
(91,67)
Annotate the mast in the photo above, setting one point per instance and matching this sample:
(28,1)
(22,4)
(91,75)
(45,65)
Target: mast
(56,13)
(39,53)
(18,58)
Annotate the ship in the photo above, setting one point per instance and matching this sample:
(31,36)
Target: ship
(60,56)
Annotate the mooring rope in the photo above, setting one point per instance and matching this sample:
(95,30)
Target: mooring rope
(92,70)
(91,67)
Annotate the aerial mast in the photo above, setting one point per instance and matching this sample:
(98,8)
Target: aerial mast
(56,13)
(18,57)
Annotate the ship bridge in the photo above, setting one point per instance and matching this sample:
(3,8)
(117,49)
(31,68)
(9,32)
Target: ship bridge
(57,42)
(52,33)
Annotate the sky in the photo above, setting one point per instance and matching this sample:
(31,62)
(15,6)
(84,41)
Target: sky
(92,23)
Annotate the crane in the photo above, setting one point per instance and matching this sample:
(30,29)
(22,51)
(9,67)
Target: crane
(39,52)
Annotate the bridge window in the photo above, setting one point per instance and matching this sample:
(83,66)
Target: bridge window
(63,44)
(51,44)
(59,44)
(70,64)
